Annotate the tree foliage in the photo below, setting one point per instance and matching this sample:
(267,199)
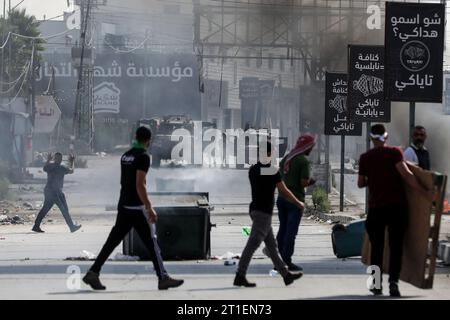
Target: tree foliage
(17,52)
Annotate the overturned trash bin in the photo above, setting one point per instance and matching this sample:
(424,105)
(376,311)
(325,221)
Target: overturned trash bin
(348,240)
(183,227)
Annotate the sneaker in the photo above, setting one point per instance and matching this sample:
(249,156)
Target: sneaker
(291,277)
(168,282)
(75,228)
(393,290)
(37,229)
(376,292)
(241,281)
(92,279)
(294,267)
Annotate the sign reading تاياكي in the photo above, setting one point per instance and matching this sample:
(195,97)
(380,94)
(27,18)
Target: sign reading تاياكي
(337,122)
(414,44)
(366,101)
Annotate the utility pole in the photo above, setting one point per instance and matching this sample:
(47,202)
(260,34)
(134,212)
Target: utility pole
(9,47)
(79,115)
(3,49)
(144,104)
(33,84)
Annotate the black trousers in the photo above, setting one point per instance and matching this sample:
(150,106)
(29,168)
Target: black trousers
(395,219)
(127,219)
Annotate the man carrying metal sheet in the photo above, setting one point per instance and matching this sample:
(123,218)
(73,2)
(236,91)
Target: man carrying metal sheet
(383,170)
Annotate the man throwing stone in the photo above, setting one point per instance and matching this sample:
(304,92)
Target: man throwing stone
(53,191)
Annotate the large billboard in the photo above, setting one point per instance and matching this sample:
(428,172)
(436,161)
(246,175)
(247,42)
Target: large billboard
(414,43)
(129,86)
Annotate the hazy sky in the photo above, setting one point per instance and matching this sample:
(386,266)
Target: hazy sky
(38,8)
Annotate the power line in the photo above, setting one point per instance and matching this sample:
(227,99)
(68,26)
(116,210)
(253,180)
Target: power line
(13,83)
(20,89)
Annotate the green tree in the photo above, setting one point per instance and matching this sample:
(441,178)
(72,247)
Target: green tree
(17,52)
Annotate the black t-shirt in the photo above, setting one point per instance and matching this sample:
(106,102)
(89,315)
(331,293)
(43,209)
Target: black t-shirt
(55,176)
(263,188)
(132,161)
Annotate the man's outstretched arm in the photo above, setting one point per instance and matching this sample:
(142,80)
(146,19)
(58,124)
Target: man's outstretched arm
(49,159)
(71,164)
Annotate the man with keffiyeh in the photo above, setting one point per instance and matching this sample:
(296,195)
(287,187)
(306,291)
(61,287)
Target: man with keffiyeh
(296,174)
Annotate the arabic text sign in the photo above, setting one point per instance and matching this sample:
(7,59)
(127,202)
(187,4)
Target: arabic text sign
(414,43)
(174,72)
(149,85)
(365,85)
(336,121)
(47,114)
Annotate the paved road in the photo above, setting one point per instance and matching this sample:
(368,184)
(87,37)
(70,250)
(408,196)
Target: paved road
(36,261)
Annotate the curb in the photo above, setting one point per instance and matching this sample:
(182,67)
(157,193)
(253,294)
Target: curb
(330,216)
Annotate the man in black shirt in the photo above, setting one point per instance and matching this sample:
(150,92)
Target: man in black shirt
(53,191)
(263,184)
(134,211)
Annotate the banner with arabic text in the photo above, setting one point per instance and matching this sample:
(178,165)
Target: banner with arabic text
(337,122)
(365,90)
(127,85)
(414,44)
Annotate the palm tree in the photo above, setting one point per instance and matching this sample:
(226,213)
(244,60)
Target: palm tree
(16,55)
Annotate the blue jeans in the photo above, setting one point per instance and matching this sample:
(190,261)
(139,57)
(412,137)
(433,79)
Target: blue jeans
(290,217)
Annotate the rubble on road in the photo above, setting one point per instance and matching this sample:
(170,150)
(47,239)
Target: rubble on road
(6,220)
(18,212)
(85,256)
(227,256)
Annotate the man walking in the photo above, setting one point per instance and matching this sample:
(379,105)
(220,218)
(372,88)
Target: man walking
(53,191)
(263,187)
(134,211)
(416,152)
(384,170)
(296,174)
